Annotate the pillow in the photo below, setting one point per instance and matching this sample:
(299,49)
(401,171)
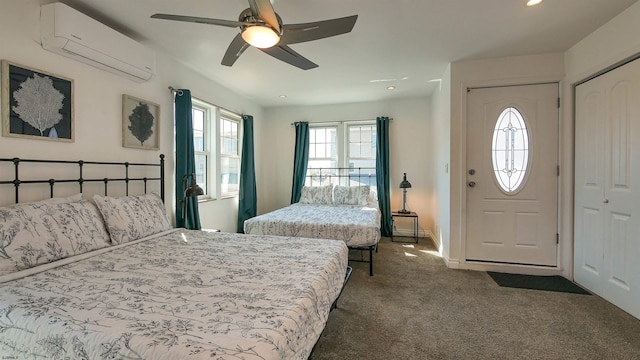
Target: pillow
(130,218)
(73,198)
(351,195)
(32,234)
(372,199)
(321,195)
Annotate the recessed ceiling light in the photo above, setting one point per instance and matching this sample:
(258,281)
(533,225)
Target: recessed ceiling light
(283,96)
(391,87)
(533,2)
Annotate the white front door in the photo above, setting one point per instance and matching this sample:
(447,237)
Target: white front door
(512,174)
(607,186)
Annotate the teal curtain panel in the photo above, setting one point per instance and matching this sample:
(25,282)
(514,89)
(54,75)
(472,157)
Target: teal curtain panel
(247,201)
(382,174)
(185,161)
(300,160)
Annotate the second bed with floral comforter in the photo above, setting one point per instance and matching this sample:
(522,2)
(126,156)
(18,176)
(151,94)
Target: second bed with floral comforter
(356,225)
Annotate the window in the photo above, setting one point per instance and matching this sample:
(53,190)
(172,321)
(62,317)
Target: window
(216,141)
(323,155)
(510,150)
(362,155)
(229,154)
(343,154)
(201,118)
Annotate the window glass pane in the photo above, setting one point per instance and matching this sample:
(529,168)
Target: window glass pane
(323,143)
(201,171)
(229,158)
(229,170)
(362,172)
(362,155)
(234,140)
(198,119)
(510,150)
(312,151)
(321,172)
(229,137)
(362,141)
(321,151)
(355,149)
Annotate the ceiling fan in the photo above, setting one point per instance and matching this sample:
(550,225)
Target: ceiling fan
(262,28)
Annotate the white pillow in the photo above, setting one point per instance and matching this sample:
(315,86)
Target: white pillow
(130,218)
(351,195)
(57,200)
(372,199)
(321,195)
(32,234)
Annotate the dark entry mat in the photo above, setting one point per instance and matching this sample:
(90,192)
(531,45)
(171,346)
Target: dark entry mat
(547,283)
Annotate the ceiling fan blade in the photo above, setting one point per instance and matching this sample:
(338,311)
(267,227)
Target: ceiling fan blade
(297,33)
(235,49)
(264,10)
(286,54)
(199,20)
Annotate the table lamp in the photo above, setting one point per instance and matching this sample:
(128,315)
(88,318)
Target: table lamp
(404,185)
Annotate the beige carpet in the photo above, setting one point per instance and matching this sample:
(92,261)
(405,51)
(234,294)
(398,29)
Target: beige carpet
(415,308)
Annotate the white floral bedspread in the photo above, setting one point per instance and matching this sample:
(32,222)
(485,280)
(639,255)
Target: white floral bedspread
(357,226)
(213,296)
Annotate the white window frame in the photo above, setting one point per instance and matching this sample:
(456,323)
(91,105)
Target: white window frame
(209,183)
(229,116)
(347,142)
(326,158)
(342,142)
(213,149)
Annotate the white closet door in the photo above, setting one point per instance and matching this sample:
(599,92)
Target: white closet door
(607,186)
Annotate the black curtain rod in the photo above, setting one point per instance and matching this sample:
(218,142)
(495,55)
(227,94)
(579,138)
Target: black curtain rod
(180,92)
(339,122)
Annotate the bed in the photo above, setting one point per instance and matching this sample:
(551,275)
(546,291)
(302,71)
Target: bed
(347,213)
(110,278)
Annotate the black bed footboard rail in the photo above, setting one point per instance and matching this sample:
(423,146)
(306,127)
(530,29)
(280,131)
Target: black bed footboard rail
(17,180)
(345,176)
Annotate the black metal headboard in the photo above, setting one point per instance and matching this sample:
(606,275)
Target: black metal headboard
(17,181)
(349,176)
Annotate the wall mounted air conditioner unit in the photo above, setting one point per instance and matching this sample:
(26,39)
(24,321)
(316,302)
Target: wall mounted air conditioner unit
(71,33)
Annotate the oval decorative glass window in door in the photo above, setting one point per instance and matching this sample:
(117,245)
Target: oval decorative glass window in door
(510,150)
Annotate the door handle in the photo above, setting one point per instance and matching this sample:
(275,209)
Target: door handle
(606,201)
(472,183)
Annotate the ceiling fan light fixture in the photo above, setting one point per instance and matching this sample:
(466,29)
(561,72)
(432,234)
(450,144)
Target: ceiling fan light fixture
(260,36)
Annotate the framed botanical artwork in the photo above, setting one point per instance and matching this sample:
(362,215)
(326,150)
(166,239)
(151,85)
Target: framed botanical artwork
(36,104)
(140,123)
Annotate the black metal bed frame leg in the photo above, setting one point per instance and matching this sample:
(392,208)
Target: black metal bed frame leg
(371,261)
(346,278)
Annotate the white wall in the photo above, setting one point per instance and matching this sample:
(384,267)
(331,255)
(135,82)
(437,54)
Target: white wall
(480,73)
(410,150)
(98,108)
(441,148)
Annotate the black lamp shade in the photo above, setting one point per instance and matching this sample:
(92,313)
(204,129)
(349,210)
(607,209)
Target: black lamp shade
(405,184)
(194,189)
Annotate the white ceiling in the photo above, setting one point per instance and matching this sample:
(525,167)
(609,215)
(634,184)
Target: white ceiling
(405,43)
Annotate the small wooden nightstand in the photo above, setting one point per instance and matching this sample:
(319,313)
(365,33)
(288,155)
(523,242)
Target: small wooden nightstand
(411,214)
